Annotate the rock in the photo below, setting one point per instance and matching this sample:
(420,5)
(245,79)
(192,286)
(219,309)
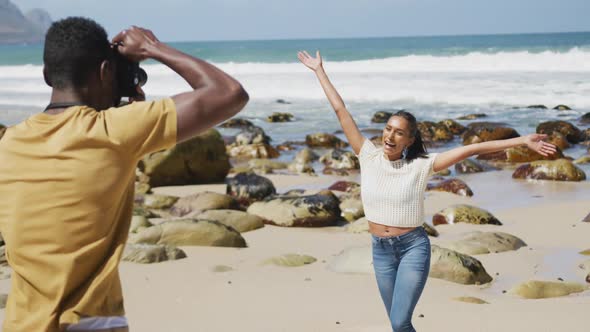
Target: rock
(306,155)
(562,108)
(478,132)
(430,230)
(221,268)
(582,160)
(469,166)
(523,154)
(433,132)
(453,126)
(324,140)
(251,135)
(535,289)
(150,253)
(464,213)
(478,243)
(203,201)
(142,211)
(469,299)
(291,260)
(444,172)
(190,232)
(237,123)
(266,165)
(156,201)
(352,209)
(280,117)
(138,223)
(3,299)
(559,140)
(142,188)
(454,186)
(572,133)
(301,168)
(456,267)
(381,117)
(259,150)
(338,159)
(249,187)
(238,220)
(282,101)
(557,170)
(537,106)
(585,119)
(16,28)
(345,186)
(587,218)
(2,131)
(472,116)
(292,211)
(585,252)
(5,272)
(201,159)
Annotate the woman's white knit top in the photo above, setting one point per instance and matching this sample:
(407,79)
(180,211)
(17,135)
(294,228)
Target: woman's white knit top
(393,191)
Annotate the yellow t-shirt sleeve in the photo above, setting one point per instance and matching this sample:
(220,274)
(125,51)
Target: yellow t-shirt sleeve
(143,127)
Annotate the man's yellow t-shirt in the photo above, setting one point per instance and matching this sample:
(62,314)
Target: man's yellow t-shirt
(66,201)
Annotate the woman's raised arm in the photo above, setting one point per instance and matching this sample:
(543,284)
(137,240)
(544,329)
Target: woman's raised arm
(353,134)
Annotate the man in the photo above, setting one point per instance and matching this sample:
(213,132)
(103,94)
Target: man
(67,174)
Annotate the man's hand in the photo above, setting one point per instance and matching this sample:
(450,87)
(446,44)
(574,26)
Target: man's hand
(135,43)
(139,97)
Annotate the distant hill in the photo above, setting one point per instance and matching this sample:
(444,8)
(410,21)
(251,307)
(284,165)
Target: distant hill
(18,28)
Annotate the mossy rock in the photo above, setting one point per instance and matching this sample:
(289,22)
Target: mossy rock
(291,260)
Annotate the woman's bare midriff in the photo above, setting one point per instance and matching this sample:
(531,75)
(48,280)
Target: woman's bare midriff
(387,231)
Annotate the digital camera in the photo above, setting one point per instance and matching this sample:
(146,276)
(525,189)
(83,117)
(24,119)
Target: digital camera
(129,75)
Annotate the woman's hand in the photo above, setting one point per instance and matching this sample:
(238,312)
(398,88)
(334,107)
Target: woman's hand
(535,142)
(309,61)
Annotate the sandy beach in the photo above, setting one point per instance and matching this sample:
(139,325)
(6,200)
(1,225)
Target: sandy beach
(187,295)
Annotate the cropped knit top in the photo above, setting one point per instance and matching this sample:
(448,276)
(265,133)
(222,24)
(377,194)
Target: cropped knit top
(393,191)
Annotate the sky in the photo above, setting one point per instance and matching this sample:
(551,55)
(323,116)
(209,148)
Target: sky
(196,20)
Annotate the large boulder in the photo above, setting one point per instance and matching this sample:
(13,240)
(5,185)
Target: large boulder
(324,140)
(434,132)
(292,211)
(306,155)
(557,170)
(571,132)
(345,186)
(474,116)
(201,159)
(238,220)
(536,289)
(456,267)
(265,165)
(478,132)
(151,253)
(466,214)
(454,186)
(199,202)
(477,243)
(249,187)
(190,232)
(156,201)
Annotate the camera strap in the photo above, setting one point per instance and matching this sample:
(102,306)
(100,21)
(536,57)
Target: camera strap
(62,105)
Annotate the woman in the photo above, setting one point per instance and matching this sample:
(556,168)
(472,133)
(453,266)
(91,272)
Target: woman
(393,182)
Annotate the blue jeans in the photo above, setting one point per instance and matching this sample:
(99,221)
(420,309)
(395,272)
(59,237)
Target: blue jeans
(401,266)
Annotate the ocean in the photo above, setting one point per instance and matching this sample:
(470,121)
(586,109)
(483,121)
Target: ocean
(433,77)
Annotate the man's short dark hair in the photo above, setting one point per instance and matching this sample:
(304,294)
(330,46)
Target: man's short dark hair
(74,48)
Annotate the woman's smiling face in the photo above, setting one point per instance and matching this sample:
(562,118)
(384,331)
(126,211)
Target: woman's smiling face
(397,135)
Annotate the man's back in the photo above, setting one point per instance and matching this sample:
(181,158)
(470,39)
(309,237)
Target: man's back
(66,183)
